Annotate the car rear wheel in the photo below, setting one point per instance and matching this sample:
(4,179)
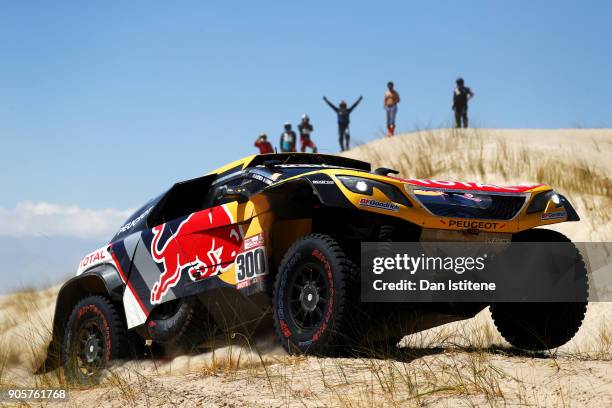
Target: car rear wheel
(542,326)
(179,326)
(95,335)
(314,293)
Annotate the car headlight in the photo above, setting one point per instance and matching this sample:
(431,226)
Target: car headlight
(539,202)
(555,199)
(359,185)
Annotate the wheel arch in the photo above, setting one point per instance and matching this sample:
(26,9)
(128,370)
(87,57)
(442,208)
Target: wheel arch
(100,280)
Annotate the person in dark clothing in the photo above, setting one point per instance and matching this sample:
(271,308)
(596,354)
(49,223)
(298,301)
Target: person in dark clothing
(305,128)
(461,96)
(343,113)
(288,139)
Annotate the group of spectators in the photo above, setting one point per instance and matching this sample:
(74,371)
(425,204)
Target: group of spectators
(288,139)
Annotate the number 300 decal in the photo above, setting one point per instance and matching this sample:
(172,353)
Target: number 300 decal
(250,264)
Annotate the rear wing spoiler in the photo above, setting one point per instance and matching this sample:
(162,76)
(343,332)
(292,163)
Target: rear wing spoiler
(309,158)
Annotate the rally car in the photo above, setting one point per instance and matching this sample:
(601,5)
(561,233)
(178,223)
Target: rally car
(279,235)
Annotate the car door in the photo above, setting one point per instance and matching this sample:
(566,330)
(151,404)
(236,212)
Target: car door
(163,261)
(209,240)
(218,231)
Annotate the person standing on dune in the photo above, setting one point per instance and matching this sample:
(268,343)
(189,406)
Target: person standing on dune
(305,129)
(344,114)
(461,96)
(392,98)
(263,145)
(288,139)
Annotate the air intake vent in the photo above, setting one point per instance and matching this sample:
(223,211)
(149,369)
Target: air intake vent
(465,205)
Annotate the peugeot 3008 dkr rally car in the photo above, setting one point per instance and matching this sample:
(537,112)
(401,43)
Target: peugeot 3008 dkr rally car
(279,235)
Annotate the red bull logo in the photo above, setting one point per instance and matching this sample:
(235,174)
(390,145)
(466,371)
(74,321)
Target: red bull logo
(203,245)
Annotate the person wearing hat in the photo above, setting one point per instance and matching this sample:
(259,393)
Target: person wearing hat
(461,96)
(288,139)
(263,145)
(344,113)
(305,128)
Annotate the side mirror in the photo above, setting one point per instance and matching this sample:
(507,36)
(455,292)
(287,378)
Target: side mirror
(383,171)
(232,194)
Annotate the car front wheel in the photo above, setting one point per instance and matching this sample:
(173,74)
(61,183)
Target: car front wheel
(543,326)
(314,293)
(94,336)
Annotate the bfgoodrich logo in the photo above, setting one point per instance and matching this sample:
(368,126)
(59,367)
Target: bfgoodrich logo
(370,202)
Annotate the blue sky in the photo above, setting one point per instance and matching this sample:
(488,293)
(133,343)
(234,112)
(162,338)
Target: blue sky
(105,104)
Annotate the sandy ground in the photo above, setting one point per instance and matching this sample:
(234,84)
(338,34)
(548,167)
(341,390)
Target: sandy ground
(459,364)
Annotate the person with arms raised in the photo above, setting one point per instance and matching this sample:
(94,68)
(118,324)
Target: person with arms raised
(344,113)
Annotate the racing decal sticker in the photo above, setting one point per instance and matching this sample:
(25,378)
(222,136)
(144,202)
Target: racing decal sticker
(261,178)
(381,205)
(253,242)
(251,263)
(554,215)
(470,197)
(135,221)
(203,245)
(467,185)
(474,224)
(135,313)
(97,257)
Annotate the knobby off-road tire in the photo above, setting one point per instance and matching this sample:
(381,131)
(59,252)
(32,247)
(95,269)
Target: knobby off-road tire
(95,335)
(542,326)
(315,292)
(179,327)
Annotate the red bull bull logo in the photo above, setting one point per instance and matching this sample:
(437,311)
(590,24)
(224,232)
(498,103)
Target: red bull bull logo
(203,245)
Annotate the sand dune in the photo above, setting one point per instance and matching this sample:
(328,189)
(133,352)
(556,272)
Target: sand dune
(460,364)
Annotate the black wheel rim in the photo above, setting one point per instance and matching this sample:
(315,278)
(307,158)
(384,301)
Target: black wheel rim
(90,349)
(308,296)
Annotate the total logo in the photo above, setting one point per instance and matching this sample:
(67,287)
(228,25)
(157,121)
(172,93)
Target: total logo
(97,257)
